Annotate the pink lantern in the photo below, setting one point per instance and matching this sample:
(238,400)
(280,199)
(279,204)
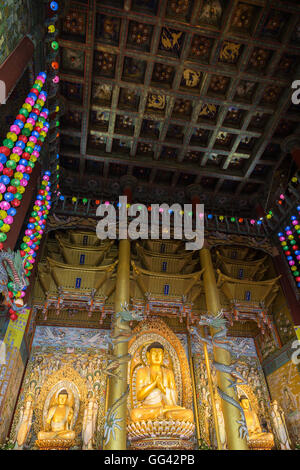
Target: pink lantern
(4,205)
(14,128)
(21,168)
(8,220)
(17,150)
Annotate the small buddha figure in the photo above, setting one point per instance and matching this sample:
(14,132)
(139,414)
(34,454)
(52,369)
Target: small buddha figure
(254,428)
(24,423)
(59,420)
(156,390)
(280,427)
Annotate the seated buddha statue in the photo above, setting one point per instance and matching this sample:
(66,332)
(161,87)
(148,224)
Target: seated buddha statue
(156,390)
(58,420)
(256,434)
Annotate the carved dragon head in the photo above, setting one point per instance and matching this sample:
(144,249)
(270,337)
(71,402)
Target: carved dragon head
(14,265)
(217,322)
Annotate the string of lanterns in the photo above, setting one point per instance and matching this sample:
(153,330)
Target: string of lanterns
(210,216)
(290,243)
(54,80)
(33,235)
(20,151)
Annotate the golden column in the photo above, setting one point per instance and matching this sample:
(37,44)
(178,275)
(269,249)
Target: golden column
(117,386)
(230,412)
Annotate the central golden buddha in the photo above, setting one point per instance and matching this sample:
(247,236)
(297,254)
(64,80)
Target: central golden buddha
(156,390)
(58,420)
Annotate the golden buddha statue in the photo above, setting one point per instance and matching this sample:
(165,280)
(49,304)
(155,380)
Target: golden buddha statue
(257,438)
(156,390)
(58,422)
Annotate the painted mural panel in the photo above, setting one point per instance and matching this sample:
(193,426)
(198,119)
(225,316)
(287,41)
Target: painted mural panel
(284,385)
(71,360)
(10,379)
(14,24)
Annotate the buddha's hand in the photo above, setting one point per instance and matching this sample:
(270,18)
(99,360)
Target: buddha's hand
(159,384)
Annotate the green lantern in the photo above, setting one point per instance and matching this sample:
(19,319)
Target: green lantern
(54,45)
(26,132)
(8,143)
(24,112)
(11,164)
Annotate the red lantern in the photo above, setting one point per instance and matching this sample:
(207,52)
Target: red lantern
(8,172)
(20,117)
(15,203)
(5,150)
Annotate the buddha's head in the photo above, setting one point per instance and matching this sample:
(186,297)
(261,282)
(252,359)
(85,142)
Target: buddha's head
(155,353)
(62,397)
(244,402)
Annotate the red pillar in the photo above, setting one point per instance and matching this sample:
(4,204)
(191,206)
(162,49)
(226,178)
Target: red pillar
(296,156)
(291,144)
(293,304)
(128,183)
(127,191)
(194,193)
(13,67)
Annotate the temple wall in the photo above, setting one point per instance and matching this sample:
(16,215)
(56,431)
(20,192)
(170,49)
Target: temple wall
(77,355)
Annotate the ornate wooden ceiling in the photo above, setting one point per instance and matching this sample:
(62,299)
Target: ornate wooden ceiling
(177,92)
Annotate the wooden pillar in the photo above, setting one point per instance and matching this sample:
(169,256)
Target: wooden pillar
(118,386)
(230,412)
